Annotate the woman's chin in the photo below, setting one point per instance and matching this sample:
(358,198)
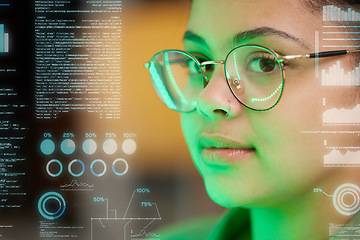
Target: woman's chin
(230,193)
(221,195)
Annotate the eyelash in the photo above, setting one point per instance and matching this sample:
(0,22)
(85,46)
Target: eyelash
(201,58)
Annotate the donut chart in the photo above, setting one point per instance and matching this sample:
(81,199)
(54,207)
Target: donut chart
(92,168)
(71,171)
(57,200)
(48,168)
(346,199)
(121,160)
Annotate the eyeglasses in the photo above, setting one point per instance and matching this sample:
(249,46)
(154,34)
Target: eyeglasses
(254,73)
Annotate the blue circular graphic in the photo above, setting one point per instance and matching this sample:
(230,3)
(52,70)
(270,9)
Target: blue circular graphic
(47,147)
(67,146)
(110,146)
(44,207)
(48,168)
(45,212)
(126,166)
(76,174)
(92,165)
(89,146)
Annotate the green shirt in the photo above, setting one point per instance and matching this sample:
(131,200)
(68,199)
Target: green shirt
(234,225)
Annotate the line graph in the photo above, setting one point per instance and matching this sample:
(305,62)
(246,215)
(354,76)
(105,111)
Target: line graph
(74,185)
(336,159)
(143,233)
(111,219)
(342,116)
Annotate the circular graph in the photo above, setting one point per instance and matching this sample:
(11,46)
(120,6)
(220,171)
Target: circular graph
(120,160)
(67,146)
(92,166)
(47,147)
(346,199)
(51,205)
(129,146)
(48,168)
(110,146)
(89,146)
(71,171)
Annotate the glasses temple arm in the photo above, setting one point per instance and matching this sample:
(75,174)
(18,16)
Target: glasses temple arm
(321,54)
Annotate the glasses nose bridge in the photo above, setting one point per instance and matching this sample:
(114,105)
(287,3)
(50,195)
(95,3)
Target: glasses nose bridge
(205,63)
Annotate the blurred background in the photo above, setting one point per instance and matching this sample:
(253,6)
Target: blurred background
(149,27)
(80,175)
(161,161)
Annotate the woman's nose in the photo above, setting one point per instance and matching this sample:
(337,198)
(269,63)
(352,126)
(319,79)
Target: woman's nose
(216,99)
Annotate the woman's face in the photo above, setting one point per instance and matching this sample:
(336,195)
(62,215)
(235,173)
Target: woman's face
(250,158)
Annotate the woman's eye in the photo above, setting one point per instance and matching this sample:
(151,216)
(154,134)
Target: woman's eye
(194,66)
(209,68)
(262,64)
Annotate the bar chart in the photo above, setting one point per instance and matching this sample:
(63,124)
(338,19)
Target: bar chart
(332,13)
(4,39)
(337,76)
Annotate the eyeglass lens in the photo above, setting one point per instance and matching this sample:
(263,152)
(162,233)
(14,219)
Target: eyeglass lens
(255,76)
(253,73)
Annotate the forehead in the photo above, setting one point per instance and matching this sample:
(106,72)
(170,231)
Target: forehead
(218,21)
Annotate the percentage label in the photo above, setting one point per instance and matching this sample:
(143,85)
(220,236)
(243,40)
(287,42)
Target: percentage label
(129,135)
(99,199)
(110,135)
(67,135)
(146,204)
(90,135)
(142,190)
(317,190)
(47,135)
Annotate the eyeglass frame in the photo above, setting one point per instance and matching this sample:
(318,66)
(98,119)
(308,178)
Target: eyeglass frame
(279,58)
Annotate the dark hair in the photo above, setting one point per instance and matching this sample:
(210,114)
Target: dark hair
(317,5)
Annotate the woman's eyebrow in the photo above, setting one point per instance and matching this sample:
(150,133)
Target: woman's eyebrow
(249,35)
(190,36)
(264,32)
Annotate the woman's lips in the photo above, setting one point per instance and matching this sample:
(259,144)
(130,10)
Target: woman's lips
(225,155)
(220,150)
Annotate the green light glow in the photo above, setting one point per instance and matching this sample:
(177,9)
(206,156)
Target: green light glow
(160,86)
(268,97)
(172,80)
(237,71)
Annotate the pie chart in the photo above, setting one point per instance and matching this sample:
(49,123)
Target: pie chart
(67,146)
(89,146)
(110,146)
(47,147)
